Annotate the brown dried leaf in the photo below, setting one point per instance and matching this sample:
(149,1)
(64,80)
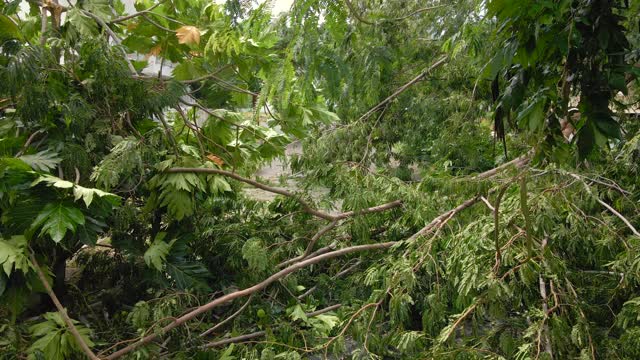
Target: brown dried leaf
(215,159)
(154,51)
(188,35)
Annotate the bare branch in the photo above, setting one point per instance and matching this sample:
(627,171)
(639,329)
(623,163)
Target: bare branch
(205,77)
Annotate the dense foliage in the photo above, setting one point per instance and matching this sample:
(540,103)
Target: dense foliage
(468,186)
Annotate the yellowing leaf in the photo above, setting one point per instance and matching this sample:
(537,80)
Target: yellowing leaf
(188,35)
(154,51)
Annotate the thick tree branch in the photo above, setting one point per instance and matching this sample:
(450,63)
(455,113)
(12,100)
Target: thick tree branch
(248,291)
(61,310)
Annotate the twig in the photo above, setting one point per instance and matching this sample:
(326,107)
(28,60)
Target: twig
(311,244)
(61,310)
(356,14)
(216,72)
(221,323)
(496,221)
(418,12)
(140,13)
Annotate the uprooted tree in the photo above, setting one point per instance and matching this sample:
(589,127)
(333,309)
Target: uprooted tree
(468,186)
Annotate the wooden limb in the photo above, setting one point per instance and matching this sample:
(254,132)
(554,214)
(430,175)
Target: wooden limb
(235,339)
(245,292)
(375,209)
(486,202)
(61,310)
(280,191)
(28,143)
(524,207)
(418,12)
(311,244)
(221,323)
(144,16)
(167,131)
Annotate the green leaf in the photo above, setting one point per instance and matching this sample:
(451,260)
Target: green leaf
(254,252)
(57,219)
(13,254)
(100,8)
(156,254)
(8,29)
(178,202)
(297,313)
(607,126)
(532,116)
(85,25)
(43,161)
(188,275)
(87,195)
(54,340)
